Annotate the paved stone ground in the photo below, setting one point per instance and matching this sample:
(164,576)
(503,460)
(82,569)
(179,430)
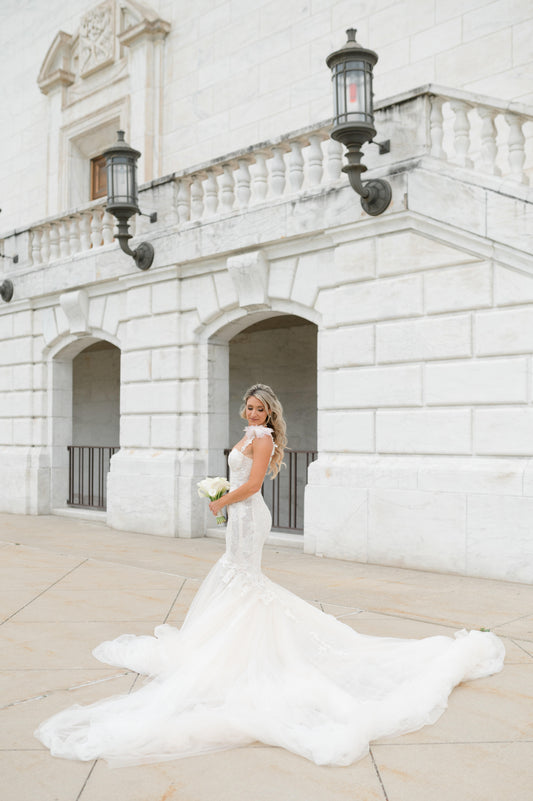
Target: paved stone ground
(67,584)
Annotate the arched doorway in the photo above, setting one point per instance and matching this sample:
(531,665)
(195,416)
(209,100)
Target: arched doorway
(280,351)
(85,421)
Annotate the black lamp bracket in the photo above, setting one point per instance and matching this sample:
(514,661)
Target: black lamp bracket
(375,195)
(151,214)
(384,147)
(14,259)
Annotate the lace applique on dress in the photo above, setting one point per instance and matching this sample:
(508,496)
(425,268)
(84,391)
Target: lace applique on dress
(251,432)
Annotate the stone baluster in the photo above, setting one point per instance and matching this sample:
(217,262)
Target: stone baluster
(197,197)
(489,148)
(74,234)
(183,200)
(108,228)
(260,178)
(334,160)
(54,242)
(296,167)
(277,171)
(96,228)
(314,161)
(243,183)
(36,256)
(515,144)
(227,183)
(64,242)
(45,244)
(211,192)
(436,129)
(461,129)
(85,230)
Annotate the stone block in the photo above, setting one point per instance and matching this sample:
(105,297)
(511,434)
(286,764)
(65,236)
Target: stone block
(503,432)
(136,365)
(139,301)
(346,431)
(477,381)
(380,299)
(6,431)
(458,288)
(146,397)
(76,308)
(249,273)
(188,398)
(199,294)
(165,363)
(499,544)
(189,431)
(113,313)
(188,361)
(164,431)
(23,431)
(348,346)
(134,431)
(281,278)
(470,58)
(424,530)
(225,289)
(420,340)
(6,378)
(22,324)
(96,312)
(18,351)
(165,296)
(424,431)
(512,286)
(374,387)
(510,221)
(39,375)
(353,261)
(155,332)
(336,522)
(309,271)
(6,325)
(504,331)
(473,476)
(365,471)
(464,209)
(436,38)
(22,377)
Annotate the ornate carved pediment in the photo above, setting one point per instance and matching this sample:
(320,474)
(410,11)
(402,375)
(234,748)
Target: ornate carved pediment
(96,47)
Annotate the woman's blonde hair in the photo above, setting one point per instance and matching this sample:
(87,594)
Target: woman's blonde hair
(274,421)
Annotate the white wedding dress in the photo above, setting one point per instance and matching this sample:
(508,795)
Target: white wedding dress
(253,662)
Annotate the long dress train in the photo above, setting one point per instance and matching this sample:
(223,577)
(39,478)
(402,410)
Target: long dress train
(253,662)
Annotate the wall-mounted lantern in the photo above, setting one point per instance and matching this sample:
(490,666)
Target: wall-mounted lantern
(6,290)
(121,164)
(351,72)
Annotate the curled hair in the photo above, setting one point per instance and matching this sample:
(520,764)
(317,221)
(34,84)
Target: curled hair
(274,421)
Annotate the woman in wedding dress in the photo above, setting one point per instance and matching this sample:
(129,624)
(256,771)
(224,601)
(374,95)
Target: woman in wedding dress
(253,662)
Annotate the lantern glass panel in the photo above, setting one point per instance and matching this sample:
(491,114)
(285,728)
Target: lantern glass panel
(121,179)
(353,92)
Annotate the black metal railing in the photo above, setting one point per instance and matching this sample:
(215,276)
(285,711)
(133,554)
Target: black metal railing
(88,466)
(284,495)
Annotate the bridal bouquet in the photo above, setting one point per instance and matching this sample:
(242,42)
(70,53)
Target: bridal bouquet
(214,488)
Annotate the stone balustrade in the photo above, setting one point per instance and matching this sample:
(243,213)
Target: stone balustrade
(470,131)
(455,128)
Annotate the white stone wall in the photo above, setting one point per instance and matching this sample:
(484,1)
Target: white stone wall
(231,74)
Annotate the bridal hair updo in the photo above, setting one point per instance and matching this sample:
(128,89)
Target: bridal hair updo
(274,421)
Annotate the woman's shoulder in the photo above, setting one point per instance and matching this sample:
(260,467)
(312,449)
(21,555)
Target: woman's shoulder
(257,431)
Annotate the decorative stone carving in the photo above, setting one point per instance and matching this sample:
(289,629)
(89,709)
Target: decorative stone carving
(56,69)
(76,308)
(97,38)
(249,273)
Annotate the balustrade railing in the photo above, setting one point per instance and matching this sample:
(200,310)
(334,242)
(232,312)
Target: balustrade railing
(284,495)
(476,133)
(88,466)
(454,127)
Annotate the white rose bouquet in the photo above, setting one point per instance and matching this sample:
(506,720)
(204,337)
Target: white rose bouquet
(214,488)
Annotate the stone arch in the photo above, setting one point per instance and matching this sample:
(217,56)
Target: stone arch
(219,396)
(59,356)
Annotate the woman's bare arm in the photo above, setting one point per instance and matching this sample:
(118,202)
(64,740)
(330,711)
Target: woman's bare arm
(261,453)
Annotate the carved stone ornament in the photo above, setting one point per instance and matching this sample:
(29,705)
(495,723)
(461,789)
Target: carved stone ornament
(249,273)
(97,38)
(71,59)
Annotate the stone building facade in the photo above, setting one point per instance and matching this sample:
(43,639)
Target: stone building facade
(401,344)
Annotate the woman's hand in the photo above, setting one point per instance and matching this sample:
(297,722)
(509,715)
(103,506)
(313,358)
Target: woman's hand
(217,506)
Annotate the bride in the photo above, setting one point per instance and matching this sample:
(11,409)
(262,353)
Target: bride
(253,662)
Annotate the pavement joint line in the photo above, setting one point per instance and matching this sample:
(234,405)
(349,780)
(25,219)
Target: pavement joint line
(48,693)
(378,774)
(522,647)
(86,780)
(43,592)
(174,601)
